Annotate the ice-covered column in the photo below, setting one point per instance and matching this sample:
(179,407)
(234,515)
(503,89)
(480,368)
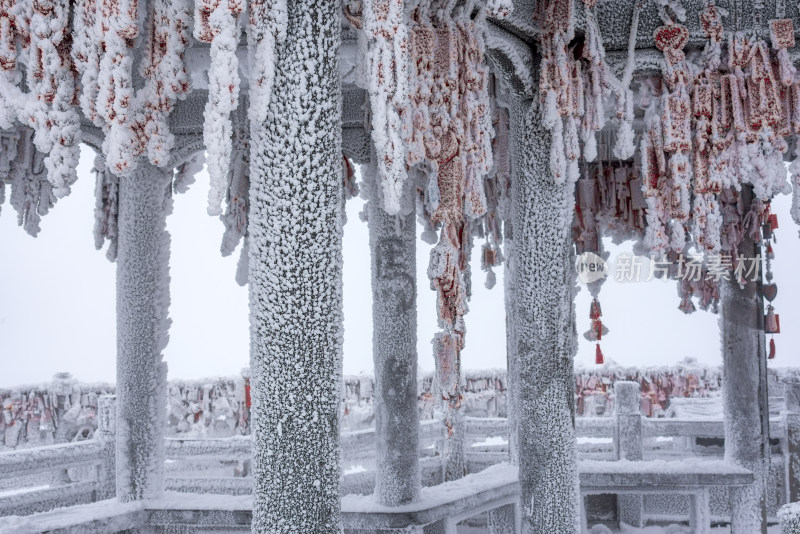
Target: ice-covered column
(392,240)
(295,279)
(142,325)
(628,444)
(792,423)
(543,330)
(744,393)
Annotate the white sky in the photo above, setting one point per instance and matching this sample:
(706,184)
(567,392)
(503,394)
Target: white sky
(57,301)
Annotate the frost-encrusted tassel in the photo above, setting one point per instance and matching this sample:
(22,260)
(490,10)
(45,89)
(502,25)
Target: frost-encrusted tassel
(266,28)
(165,74)
(216,22)
(386,27)
(106,208)
(57,122)
(119,27)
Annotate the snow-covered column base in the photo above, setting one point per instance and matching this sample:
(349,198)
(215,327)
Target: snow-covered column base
(744,362)
(791,419)
(142,324)
(295,280)
(392,242)
(789,517)
(544,338)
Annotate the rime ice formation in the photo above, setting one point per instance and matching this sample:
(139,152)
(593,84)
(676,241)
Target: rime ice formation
(295,234)
(22,168)
(542,330)
(432,120)
(394,345)
(216,22)
(142,330)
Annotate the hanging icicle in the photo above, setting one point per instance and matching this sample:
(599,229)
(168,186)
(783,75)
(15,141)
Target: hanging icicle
(216,22)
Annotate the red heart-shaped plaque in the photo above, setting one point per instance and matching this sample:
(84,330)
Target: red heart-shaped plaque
(770,291)
(674,37)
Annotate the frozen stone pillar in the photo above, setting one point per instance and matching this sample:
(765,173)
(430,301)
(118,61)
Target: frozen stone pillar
(543,330)
(142,325)
(744,393)
(392,241)
(628,444)
(295,280)
(792,421)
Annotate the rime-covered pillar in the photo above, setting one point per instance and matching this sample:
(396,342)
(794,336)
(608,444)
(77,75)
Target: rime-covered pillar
(792,422)
(142,326)
(628,444)
(295,280)
(392,241)
(744,393)
(543,330)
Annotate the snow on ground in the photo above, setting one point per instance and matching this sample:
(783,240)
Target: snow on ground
(601,529)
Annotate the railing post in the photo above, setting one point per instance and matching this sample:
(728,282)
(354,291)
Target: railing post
(106,433)
(503,520)
(628,444)
(791,419)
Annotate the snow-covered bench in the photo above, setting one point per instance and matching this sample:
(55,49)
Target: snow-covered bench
(691,476)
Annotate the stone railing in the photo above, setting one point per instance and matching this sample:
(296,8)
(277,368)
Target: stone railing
(65,409)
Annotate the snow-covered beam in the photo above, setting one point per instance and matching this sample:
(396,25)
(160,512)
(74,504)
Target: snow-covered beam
(142,325)
(542,337)
(744,394)
(393,240)
(295,279)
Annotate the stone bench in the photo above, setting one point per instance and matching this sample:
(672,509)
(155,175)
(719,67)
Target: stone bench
(692,476)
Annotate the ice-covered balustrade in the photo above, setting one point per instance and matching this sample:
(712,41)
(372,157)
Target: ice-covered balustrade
(483,118)
(657,485)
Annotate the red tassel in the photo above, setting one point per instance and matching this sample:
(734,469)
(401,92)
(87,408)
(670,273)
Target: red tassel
(598,357)
(772,220)
(770,253)
(771,322)
(771,349)
(594,310)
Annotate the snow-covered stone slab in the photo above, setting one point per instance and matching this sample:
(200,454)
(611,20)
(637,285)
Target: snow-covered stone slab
(234,447)
(491,488)
(39,459)
(597,476)
(188,509)
(24,502)
(101,517)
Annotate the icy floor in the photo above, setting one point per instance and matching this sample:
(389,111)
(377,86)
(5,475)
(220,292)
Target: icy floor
(598,529)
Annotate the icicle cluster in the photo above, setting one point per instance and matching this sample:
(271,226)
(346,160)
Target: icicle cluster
(22,167)
(36,36)
(432,118)
(216,22)
(711,125)
(134,122)
(106,207)
(721,128)
(574,84)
